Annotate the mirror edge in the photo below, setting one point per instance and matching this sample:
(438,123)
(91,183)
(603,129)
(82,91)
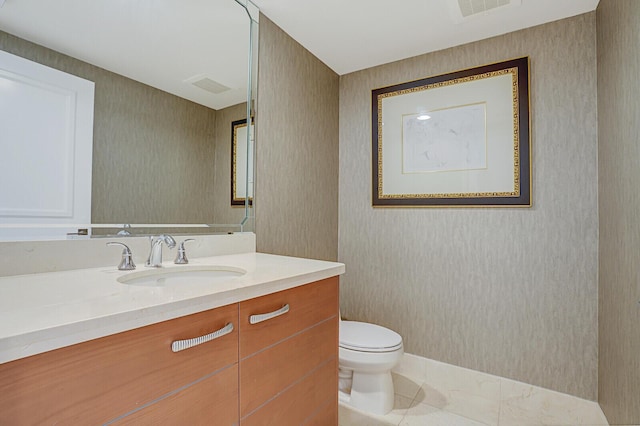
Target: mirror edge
(253,12)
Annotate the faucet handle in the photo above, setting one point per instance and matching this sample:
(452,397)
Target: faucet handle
(124,232)
(126,263)
(181,258)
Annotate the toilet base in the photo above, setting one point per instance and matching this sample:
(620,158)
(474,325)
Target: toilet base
(370,392)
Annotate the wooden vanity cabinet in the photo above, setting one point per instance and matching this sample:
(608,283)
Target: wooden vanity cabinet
(280,371)
(289,363)
(101,380)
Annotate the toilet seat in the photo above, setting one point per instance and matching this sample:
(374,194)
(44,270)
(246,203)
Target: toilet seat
(366,337)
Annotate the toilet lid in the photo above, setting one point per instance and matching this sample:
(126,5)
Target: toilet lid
(365,337)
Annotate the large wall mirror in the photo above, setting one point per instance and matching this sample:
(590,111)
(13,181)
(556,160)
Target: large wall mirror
(169,81)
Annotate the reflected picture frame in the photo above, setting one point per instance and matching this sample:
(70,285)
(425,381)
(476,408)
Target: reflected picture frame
(241,159)
(460,139)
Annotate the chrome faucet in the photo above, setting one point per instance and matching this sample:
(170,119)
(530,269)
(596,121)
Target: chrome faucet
(126,263)
(155,255)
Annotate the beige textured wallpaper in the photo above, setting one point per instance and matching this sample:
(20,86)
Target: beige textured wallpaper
(154,153)
(512,292)
(297,150)
(618,23)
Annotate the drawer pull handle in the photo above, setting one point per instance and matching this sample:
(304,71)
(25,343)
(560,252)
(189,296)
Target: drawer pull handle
(180,345)
(254,319)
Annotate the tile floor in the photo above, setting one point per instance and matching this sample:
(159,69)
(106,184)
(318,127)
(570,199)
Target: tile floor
(430,393)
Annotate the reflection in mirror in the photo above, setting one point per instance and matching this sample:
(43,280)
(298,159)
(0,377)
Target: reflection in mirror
(241,162)
(161,152)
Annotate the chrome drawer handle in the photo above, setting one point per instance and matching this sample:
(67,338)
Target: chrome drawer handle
(254,319)
(180,345)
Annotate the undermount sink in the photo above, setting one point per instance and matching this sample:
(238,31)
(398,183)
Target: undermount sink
(182,275)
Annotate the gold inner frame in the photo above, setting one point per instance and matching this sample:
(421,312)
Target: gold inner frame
(516,135)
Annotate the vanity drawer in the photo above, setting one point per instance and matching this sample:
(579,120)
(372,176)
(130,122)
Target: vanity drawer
(211,401)
(270,372)
(311,400)
(308,305)
(96,381)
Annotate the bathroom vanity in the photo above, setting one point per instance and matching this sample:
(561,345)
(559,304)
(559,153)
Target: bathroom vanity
(117,353)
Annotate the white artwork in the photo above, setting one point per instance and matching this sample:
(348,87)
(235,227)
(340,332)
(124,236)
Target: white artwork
(243,159)
(445,140)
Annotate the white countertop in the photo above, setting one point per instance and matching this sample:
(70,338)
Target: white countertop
(46,311)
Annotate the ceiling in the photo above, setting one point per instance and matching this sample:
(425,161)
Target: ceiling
(350,35)
(163,43)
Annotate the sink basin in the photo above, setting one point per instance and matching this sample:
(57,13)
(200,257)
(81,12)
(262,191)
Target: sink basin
(182,275)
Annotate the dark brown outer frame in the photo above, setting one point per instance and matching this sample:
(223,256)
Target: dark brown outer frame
(523,200)
(236,201)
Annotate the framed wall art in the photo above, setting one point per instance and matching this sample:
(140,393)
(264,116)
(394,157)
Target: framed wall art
(454,140)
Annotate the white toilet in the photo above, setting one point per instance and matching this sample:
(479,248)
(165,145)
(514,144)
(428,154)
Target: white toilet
(367,353)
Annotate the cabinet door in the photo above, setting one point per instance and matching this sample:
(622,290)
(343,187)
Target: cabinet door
(313,398)
(99,380)
(271,371)
(290,355)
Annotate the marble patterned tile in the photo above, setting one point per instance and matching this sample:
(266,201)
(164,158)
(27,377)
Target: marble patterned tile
(406,386)
(527,405)
(468,393)
(426,415)
(441,375)
(455,396)
(516,416)
(349,416)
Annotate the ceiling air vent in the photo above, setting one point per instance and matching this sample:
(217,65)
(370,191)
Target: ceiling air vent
(205,83)
(465,9)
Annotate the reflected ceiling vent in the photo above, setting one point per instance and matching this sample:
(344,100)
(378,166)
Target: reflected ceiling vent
(206,83)
(462,10)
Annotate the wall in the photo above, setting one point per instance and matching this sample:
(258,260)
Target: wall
(618,23)
(146,143)
(512,292)
(223,212)
(296,149)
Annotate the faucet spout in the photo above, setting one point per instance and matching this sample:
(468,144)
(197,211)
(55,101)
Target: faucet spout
(155,255)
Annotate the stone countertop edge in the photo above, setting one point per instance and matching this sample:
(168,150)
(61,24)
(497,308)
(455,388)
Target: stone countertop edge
(92,303)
